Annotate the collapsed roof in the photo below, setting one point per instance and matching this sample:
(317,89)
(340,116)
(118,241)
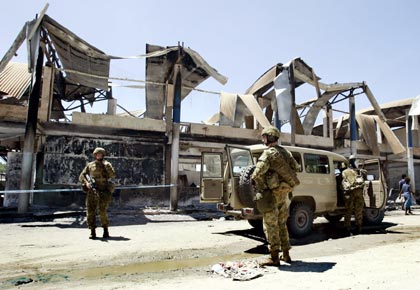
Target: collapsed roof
(83,70)
(275,93)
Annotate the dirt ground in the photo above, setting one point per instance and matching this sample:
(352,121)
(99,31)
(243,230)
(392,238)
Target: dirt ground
(156,249)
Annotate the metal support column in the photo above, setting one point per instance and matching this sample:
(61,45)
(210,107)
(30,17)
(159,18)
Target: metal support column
(293,113)
(353,127)
(277,124)
(26,181)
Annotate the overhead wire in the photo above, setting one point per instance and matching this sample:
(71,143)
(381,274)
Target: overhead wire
(132,80)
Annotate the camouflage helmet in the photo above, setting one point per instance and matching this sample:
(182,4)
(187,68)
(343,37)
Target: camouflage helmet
(271,131)
(99,150)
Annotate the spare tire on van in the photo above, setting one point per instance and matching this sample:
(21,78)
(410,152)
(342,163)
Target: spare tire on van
(245,189)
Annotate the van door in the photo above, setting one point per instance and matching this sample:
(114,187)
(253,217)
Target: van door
(239,159)
(211,177)
(375,191)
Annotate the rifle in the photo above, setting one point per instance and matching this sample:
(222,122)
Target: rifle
(91,182)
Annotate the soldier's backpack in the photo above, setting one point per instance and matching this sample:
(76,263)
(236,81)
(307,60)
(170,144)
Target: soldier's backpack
(282,166)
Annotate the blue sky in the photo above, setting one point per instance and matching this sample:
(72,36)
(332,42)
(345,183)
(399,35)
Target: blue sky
(344,41)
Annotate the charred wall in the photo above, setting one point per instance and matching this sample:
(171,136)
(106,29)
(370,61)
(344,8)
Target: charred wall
(136,163)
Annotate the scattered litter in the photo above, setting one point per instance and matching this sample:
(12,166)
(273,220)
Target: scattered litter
(22,281)
(238,271)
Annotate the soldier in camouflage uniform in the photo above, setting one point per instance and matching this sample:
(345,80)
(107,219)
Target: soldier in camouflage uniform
(275,174)
(100,196)
(354,197)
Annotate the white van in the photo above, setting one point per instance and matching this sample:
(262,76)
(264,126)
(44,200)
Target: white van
(319,194)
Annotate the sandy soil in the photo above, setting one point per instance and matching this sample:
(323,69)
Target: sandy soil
(159,250)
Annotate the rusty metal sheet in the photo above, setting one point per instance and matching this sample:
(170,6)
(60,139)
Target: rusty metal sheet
(159,70)
(255,109)
(265,81)
(368,129)
(393,141)
(77,55)
(284,98)
(227,109)
(415,107)
(234,108)
(312,115)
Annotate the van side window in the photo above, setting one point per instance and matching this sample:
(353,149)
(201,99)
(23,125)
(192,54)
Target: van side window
(339,167)
(315,163)
(298,158)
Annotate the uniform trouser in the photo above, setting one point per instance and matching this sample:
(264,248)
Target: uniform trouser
(98,202)
(354,203)
(274,222)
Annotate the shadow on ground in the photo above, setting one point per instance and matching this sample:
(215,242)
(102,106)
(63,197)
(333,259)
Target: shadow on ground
(118,216)
(301,266)
(320,232)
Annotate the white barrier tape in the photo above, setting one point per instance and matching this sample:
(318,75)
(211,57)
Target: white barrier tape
(78,189)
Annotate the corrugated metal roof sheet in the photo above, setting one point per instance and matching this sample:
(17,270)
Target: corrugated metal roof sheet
(15,79)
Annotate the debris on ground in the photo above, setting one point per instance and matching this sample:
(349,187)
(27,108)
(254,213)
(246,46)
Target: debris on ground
(238,271)
(22,280)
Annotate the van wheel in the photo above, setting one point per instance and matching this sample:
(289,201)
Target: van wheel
(373,216)
(256,224)
(333,218)
(245,189)
(301,220)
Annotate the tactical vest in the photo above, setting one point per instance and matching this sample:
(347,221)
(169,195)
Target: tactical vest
(99,172)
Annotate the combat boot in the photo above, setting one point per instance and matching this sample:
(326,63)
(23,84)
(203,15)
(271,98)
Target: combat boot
(273,260)
(106,233)
(92,234)
(286,257)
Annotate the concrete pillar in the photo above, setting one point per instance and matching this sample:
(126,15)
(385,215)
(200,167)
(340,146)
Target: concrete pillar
(174,167)
(112,107)
(175,139)
(410,159)
(415,131)
(327,122)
